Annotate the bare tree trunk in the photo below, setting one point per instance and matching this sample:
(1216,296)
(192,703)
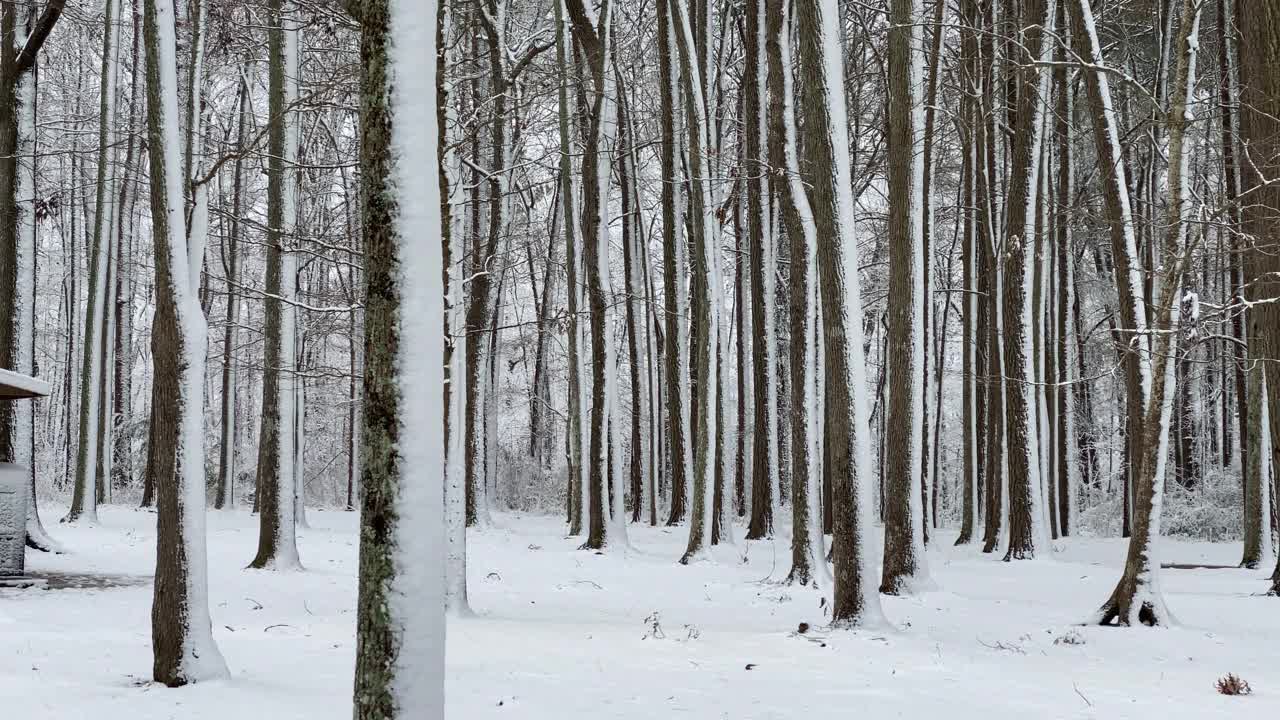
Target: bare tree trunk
(988,182)
(741,329)
(484,253)
(926,279)
(1124,248)
(1023,475)
(1064,442)
(123,417)
(1248,351)
(1137,597)
(1260,131)
(277,543)
(400,649)
(673,263)
(84,502)
(632,241)
(181,632)
(906,514)
(227,462)
(764,471)
(847,431)
(971,420)
(19,157)
(808,559)
(688,18)
(595,183)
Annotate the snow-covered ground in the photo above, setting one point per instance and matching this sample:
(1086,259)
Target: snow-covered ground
(563,634)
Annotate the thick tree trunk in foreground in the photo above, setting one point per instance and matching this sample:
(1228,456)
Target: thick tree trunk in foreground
(1250,283)
(400,647)
(1260,129)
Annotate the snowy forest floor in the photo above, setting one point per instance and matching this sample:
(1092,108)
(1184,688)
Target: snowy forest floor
(562,633)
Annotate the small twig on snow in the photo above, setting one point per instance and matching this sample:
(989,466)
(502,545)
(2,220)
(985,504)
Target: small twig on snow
(1082,697)
(1002,646)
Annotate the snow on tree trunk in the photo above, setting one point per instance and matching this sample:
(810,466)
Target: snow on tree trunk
(300,451)
(1137,597)
(614,422)
(227,469)
(277,538)
(593,35)
(764,472)
(1023,482)
(400,630)
(655,445)
(102,468)
(182,638)
(673,269)
(905,564)
(455,491)
(636,315)
(1124,245)
(22,341)
(808,557)
(291,407)
(1041,332)
(972,401)
(487,488)
(846,431)
(574,431)
(84,502)
(705,239)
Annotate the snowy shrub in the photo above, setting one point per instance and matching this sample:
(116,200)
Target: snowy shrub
(653,629)
(654,626)
(1233,685)
(525,486)
(1101,518)
(1211,510)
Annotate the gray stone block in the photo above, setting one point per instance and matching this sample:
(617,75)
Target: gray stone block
(13,519)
